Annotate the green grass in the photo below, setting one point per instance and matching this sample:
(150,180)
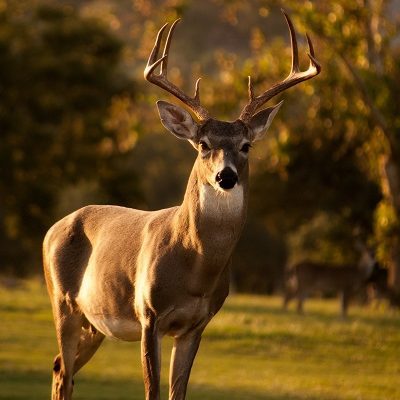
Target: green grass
(250,351)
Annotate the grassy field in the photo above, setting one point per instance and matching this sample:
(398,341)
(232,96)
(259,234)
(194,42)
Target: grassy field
(251,351)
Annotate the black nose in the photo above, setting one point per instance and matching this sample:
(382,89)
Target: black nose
(226,178)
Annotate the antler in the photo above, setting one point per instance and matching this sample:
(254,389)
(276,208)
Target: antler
(295,76)
(161,79)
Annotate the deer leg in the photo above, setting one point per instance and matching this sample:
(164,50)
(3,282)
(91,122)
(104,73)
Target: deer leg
(288,296)
(183,354)
(286,299)
(301,297)
(68,326)
(344,303)
(151,360)
(89,342)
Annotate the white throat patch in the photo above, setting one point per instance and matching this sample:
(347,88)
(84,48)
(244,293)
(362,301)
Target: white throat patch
(220,203)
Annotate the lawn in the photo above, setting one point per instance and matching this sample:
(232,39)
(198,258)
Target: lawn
(251,351)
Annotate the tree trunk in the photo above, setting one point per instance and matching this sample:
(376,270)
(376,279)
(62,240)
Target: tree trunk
(391,190)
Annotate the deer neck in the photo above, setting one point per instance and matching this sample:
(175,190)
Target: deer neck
(212,220)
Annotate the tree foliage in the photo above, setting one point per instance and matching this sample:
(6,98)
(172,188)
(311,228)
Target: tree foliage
(59,73)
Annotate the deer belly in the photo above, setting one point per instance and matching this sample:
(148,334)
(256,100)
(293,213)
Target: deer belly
(112,316)
(116,327)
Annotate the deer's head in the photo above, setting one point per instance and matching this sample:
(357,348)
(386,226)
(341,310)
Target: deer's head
(222,147)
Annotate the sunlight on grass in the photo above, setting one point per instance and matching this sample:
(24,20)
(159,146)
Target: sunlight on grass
(251,350)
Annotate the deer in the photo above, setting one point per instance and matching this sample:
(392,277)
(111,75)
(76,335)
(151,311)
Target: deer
(138,275)
(308,277)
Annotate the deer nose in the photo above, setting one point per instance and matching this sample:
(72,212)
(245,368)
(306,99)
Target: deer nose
(226,178)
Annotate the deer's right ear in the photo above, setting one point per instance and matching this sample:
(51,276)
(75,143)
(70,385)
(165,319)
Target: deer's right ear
(177,120)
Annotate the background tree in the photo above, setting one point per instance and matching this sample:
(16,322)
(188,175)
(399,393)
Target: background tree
(59,72)
(359,40)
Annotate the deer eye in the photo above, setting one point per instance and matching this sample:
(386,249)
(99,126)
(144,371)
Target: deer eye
(245,148)
(204,146)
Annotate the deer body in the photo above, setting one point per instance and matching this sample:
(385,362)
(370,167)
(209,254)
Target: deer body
(140,275)
(307,277)
(128,273)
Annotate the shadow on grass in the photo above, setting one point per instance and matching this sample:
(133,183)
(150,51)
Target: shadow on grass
(34,385)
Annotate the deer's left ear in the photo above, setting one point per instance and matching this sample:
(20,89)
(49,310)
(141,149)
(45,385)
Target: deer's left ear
(261,121)
(177,120)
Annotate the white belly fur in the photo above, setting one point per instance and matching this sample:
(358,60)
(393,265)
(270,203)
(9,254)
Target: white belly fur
(123,329)
(111,325)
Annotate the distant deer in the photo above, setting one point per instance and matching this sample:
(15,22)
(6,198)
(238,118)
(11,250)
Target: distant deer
(139,275)
(308,277)
(377,285)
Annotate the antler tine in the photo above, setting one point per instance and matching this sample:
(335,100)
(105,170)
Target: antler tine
(310,45)
(152,62)
(197,90)
(295,76)
(250,89)
(311,56)
(164,64)
(161,79)
(293,41)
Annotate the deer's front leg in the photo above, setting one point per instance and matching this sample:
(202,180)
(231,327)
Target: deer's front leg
(151,359)
(183,354)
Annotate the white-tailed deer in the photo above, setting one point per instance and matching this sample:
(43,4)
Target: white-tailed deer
(138,275)
(308,277)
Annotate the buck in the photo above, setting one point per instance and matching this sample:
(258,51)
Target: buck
(139,275)
(308,277)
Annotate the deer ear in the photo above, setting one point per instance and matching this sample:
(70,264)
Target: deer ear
(261,121)
(177,120)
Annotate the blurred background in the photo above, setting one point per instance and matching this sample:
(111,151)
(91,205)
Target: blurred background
(78,123)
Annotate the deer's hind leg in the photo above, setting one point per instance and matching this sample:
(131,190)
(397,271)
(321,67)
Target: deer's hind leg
(69,322)
(344,302)
(288,295)
(301,298)
(89,342)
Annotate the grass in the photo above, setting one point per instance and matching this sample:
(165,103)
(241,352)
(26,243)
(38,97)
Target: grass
(250,351)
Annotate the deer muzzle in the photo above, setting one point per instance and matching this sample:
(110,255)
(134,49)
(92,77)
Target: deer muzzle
(227,178)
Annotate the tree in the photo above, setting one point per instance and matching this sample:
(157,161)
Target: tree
(59,73)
